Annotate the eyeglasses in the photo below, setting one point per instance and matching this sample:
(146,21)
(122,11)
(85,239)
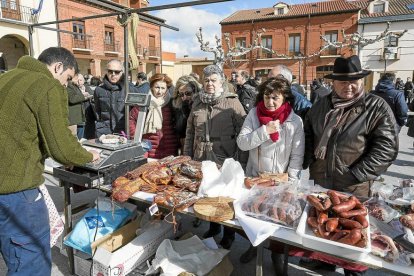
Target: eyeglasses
(186,93)
(116,72)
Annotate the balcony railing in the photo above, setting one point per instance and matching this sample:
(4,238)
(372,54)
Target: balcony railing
(331,51)
(111,46)
(10,10)
(154,51)
(81,42)
(148,51)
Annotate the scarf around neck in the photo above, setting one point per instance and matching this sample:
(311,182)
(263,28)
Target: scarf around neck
(265,116)
(334,119)
(208,98)
(153,121)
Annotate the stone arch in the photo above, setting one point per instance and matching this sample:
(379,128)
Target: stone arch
(12,48)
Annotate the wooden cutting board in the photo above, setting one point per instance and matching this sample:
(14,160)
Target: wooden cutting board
(214,209)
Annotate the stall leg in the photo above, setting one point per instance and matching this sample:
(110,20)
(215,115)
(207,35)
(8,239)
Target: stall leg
(285,259)
(68,225)
(259,260)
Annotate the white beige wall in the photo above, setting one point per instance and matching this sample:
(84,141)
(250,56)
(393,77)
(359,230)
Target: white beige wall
(371,54)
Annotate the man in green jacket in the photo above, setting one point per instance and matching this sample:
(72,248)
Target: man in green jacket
(33,126)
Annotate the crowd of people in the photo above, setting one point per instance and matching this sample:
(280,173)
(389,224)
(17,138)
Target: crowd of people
(347,138)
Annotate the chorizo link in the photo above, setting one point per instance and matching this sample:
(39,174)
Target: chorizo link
(352,238)
(332,224)
(334,197)
(352,213)
(315,202)
(345,206)
(362,220)
(349,224)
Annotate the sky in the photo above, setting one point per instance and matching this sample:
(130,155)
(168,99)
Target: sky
(189,19)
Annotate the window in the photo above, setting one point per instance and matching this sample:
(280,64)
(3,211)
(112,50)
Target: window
(331,36)
(294,44)
(390,41)
(241,42)
(79,39)
(109,35)
(267,43)
(379,8)
(109,39)
(152,49)
(410,6)
(79,28)
(280,11)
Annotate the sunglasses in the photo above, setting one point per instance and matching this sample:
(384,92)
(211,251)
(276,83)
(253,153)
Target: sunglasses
(116,72)
(186,93)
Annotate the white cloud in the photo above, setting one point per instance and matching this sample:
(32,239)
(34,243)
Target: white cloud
(188,20)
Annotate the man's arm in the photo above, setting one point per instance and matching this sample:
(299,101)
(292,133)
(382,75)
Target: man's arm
(189,136)
(401,110)
(381,148)
(75,95)
(56,138)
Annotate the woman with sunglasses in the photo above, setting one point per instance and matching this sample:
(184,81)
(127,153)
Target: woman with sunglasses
(185,90)
(159,122)
(274,136)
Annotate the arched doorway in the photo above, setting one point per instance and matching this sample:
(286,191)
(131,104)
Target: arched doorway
(12,47)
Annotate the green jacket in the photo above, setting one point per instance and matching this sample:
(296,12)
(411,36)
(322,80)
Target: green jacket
(33,126)
(75,101)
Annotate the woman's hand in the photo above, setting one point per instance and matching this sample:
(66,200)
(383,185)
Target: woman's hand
(272,127)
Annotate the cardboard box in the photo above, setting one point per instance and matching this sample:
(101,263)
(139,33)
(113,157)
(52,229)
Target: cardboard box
(129,256)
(82,266)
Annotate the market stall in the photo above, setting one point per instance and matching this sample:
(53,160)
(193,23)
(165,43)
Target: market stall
(172,183)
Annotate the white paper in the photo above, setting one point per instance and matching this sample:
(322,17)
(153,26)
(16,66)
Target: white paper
(227,183)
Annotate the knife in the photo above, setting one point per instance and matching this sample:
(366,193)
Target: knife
(396,235)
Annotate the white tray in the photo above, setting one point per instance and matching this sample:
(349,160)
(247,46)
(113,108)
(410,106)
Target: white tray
(334,248)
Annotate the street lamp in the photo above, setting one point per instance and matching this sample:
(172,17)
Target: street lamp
(387,54)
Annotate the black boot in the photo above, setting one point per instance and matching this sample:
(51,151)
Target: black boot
(249,255)
(228,237)
(214,230)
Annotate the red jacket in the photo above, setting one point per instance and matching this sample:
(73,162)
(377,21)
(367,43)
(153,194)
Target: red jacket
(165,141)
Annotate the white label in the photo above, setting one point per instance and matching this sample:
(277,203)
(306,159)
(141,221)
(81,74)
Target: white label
(153,209)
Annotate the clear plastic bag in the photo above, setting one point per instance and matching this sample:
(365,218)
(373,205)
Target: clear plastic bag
(380,210)
(278,204)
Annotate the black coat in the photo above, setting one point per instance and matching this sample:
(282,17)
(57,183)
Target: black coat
(247,96)
(395,99)
(318,92)
(110,107)
(361,150)
(143,88)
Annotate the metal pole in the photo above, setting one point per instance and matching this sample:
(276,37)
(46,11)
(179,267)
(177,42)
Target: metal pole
(126,74)
(31,52)
(154,8)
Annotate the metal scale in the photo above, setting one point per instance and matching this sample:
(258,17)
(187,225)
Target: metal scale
(115,159)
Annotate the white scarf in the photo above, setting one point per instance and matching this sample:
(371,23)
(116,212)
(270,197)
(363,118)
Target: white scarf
(153,121)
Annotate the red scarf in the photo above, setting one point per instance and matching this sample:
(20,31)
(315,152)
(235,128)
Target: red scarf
(265,115)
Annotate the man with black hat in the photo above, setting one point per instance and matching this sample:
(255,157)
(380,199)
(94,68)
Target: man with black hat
(351,137)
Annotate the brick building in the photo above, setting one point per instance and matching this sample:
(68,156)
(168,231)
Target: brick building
(99,40)
(292,30)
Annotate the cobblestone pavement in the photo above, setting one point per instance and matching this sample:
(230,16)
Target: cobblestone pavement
(403,167)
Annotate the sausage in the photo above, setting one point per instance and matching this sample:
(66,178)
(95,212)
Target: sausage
(334,197)
(312,221)
(322,231)
(352,238)
(352,213)
(349,224)
(312,212)
(282,214)
(362,220)
(332,224)
(345,206)
(315,202)
(339,235)
(327,203)
(322,218)
(362,242)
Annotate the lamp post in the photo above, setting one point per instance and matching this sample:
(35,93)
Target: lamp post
(387,54)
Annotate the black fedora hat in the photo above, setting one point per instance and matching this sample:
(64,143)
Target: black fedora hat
(348,69)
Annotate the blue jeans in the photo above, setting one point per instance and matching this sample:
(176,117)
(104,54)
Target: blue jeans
(25,233)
